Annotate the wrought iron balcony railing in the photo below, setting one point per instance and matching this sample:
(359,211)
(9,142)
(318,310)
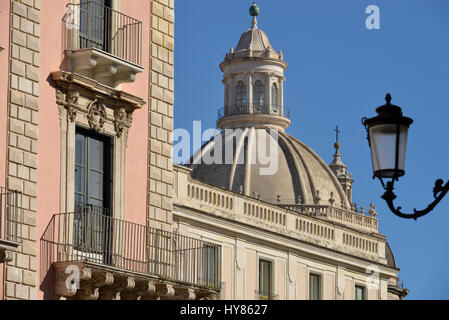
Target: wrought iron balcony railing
(251,109)
(11,215)
(92,25)
(98,239)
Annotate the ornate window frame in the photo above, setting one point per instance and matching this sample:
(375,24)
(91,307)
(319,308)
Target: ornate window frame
(241,94)
(86,103)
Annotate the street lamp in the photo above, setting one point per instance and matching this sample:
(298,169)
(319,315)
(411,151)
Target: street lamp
(387,137)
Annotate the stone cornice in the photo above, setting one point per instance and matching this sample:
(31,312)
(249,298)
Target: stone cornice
(285,242)
(254,120)
(73,81)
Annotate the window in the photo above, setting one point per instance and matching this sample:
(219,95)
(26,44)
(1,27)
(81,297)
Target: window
(264,280)
(314,287)
(93,164)
(210,256)
(258,95)
(93,185)
(95,24)
(359,293)
(240,95)
(274,98)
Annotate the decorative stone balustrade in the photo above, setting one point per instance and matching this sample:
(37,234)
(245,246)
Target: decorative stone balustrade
(331,227)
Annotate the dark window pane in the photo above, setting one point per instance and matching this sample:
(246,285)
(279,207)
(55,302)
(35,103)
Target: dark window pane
(359,293)
(79,198)
(79,180)
(259,94)
(315,287)
(240,95)
(264,279)
(96,153)
(79,149)
(95,185)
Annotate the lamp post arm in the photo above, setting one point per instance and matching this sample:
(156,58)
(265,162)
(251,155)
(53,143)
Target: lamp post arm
(439,191)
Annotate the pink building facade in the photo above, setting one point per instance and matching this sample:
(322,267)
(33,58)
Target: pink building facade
(86,123)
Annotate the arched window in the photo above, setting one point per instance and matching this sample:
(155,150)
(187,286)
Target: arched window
(258,95)
(274,98)
(240,95)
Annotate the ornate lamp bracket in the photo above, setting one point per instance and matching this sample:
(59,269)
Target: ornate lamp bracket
(439,191)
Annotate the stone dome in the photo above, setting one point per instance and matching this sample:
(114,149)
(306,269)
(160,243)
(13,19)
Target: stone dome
(300,176)
(253,155)
(254,39)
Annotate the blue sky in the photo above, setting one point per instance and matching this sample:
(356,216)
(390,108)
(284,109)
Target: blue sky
(339,71)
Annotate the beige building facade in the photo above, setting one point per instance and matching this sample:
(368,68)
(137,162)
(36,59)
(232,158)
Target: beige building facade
(92,206)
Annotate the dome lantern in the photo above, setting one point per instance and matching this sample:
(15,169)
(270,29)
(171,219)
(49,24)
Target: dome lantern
(253,79)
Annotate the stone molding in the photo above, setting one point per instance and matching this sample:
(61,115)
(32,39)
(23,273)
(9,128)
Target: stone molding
(83,102)
(69,88)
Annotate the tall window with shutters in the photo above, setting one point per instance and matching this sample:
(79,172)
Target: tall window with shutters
(265,281)
(240,96)
(258,96)
(93,187)
(315,287)
(359,293)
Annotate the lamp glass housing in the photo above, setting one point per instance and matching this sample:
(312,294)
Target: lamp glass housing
(388,149)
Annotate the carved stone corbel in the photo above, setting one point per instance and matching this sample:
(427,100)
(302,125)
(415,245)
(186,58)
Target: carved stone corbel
(146,290)
(185,294)
(89,293)
(86,274)
(103,279)
(71,105)
(5,256)
(126,288)
(128,283)
(122,121)
(166,290)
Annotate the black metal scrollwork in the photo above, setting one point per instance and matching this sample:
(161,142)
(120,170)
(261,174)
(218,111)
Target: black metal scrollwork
(439,191)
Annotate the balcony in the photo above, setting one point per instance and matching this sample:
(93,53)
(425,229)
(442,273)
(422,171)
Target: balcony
(101,43)
(234,116)
(116,259)
(10,219)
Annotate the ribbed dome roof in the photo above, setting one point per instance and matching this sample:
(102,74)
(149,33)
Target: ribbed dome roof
(389,256)
(301,175)
(254,39)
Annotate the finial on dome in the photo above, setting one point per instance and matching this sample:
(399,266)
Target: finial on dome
(388,98)
(337,144)
(254,12)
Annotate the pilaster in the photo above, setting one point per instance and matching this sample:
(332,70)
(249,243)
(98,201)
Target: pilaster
(23,133)
(161,100)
